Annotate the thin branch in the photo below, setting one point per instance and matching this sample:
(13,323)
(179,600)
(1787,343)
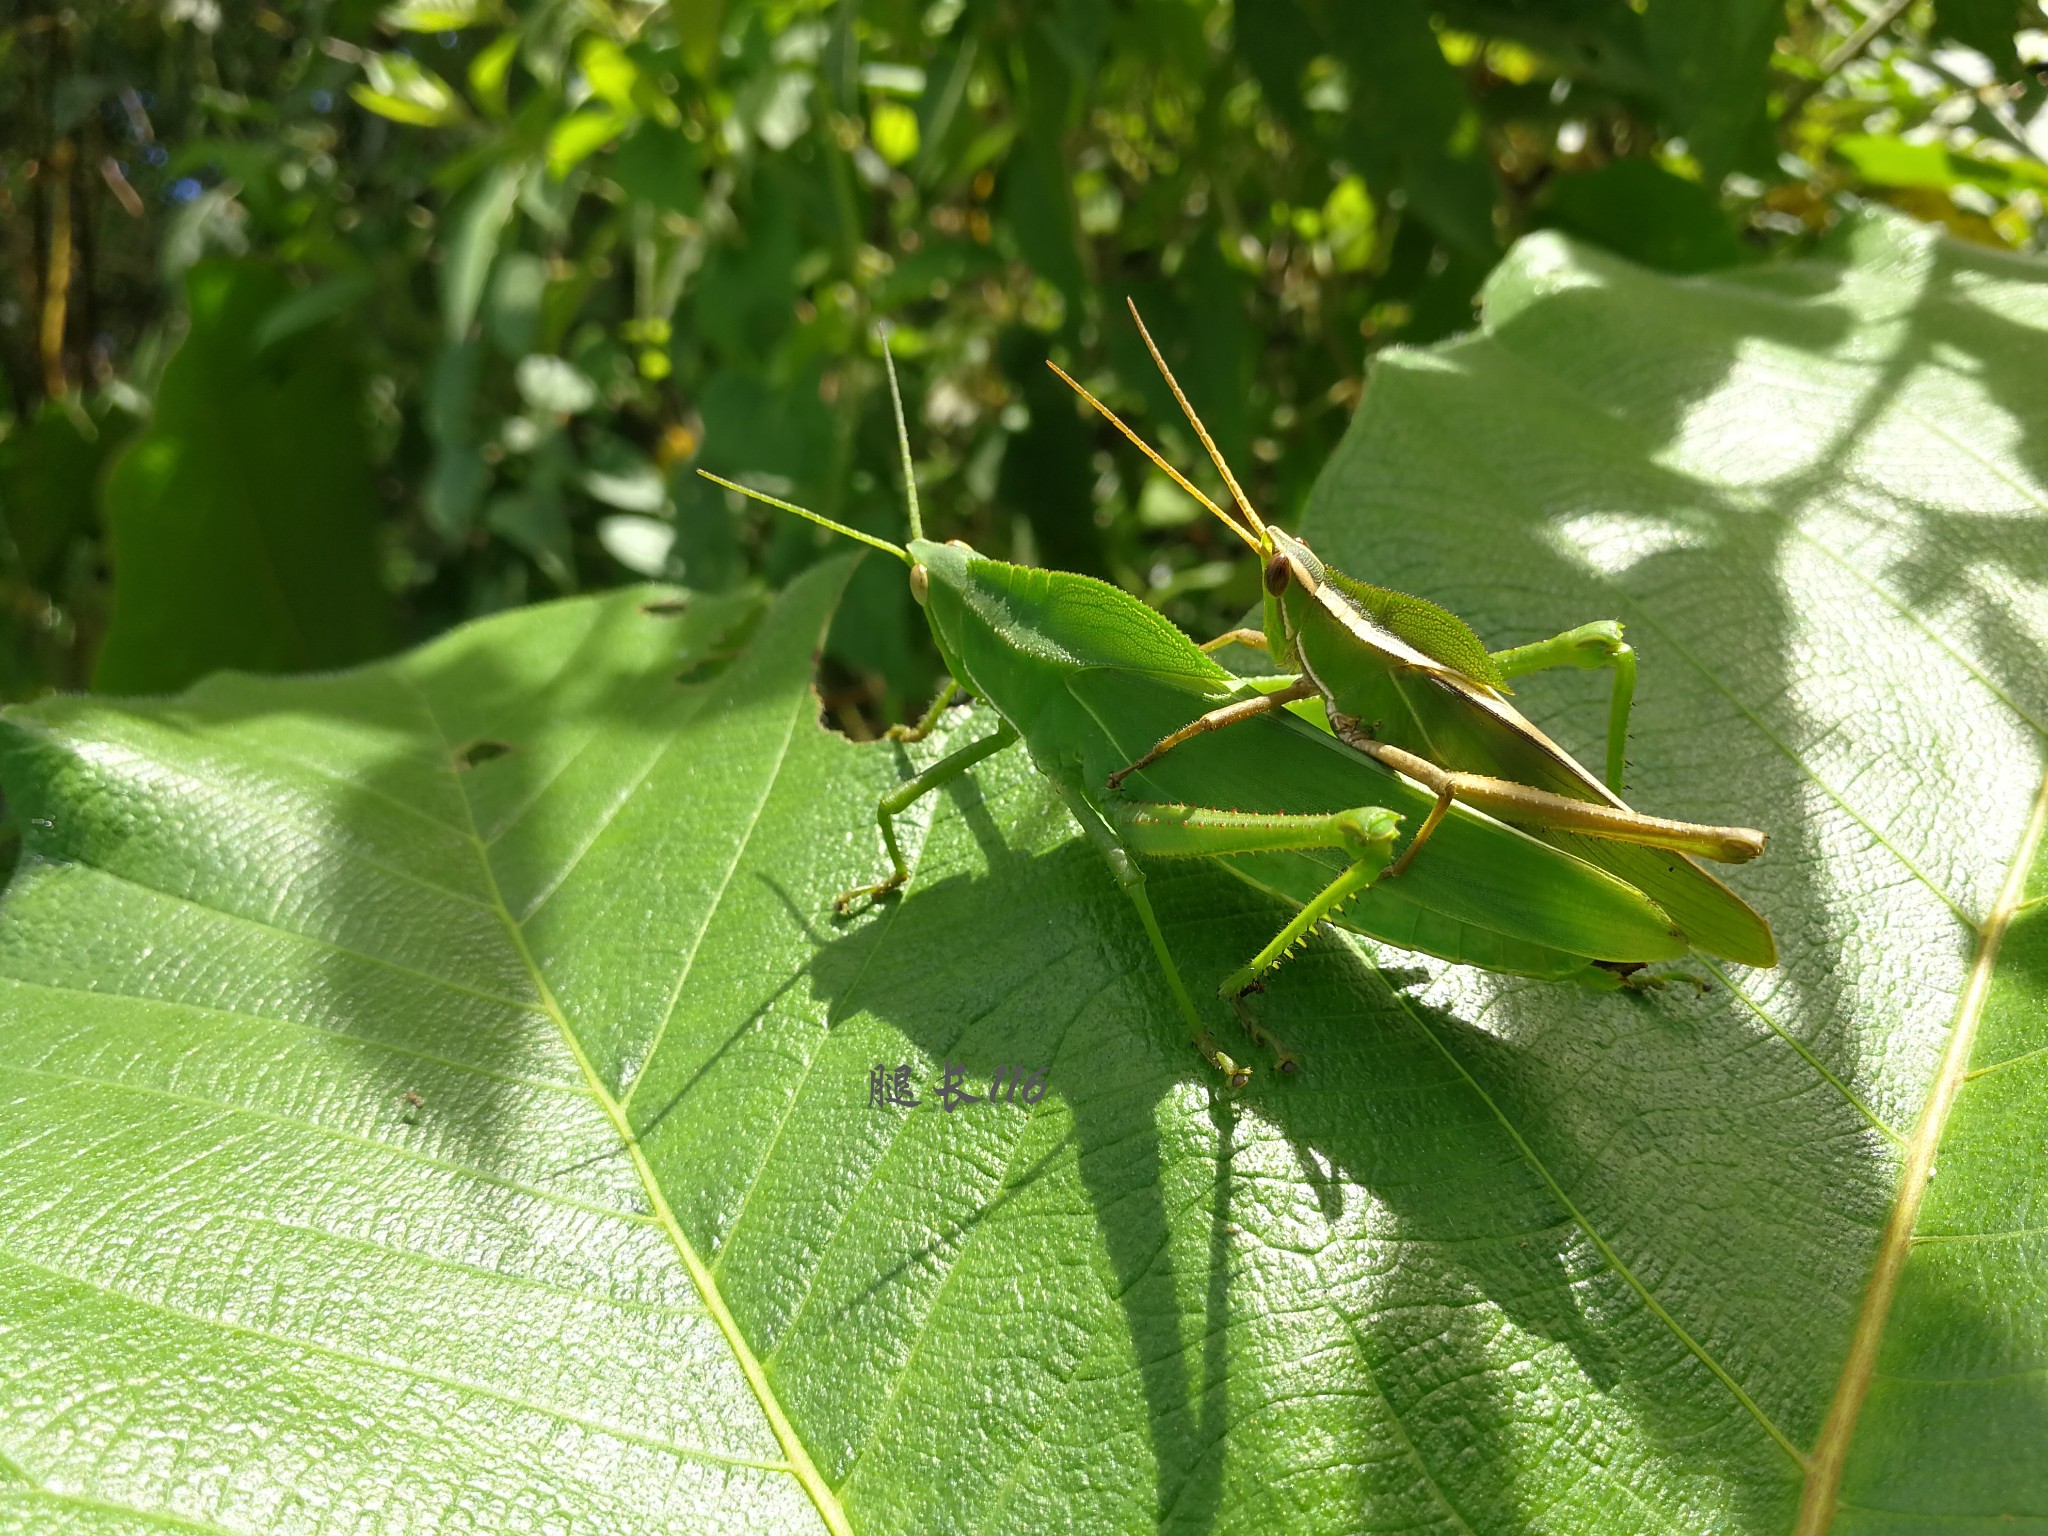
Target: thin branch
(1847,52)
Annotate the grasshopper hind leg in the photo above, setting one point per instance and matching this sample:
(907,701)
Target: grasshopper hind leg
(1598,644)
(1366,834)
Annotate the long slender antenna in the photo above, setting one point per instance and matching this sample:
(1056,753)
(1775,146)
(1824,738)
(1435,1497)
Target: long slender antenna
(902,436)
(1147,449)
(1215,455)
(805,512)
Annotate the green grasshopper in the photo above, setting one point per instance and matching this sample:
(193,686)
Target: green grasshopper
(1084,675)
(1410,685)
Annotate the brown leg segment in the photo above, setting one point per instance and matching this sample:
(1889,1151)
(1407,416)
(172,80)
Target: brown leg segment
(1216,720)
(1251,639)
(1444,797)
(1513,802)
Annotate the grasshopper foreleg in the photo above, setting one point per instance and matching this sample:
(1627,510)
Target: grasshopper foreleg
(929,720)
(1131,879)
(1216,720)
(1598,644)
(907,794)
(1185,831)
(1251,639)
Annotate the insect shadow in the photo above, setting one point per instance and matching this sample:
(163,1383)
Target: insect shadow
(1406,1205)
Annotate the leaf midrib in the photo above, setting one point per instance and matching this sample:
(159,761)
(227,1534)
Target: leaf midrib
(794,1451)
(1819,1502)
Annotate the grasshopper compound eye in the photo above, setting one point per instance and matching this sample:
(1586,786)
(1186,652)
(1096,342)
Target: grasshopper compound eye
(920,584)
(1277,575)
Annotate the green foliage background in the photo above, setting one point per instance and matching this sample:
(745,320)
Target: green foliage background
(514,270)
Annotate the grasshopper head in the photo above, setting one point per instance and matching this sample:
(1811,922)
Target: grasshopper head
(939,580)
(931,562)
(1286,562)
(1289,562)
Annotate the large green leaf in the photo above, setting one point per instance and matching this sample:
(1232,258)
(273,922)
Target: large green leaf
(644,1258)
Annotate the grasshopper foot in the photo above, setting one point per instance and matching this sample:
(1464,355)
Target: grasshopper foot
(873,895)
(1234,1075)
(1285,1062)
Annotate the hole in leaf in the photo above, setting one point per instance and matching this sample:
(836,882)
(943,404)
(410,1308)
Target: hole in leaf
(666,607)
(479,752)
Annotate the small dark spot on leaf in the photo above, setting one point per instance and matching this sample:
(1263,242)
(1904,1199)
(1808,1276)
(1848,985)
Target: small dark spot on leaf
(666,607)
(479,752)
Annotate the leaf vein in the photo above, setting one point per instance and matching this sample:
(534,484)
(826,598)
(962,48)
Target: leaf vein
(332,1133)
(797,1459)
(376,1361)
(1607,1252)
(1831,1451)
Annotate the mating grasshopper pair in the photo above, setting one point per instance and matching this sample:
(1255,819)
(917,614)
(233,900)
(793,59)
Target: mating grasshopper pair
(1533,867)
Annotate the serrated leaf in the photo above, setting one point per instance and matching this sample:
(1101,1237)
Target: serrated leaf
(1506,1258)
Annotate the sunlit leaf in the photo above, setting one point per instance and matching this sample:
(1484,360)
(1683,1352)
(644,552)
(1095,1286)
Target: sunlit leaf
(640,544)
(450,1074)
(582,134)
(611,75)
(554,384)
(490,72)
(892,128)
(437,15)
(401,89)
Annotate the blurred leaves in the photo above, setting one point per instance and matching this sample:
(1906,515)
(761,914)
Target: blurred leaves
(1644,212)
(242,518)
(401,90)
(50,467)
(701,212)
